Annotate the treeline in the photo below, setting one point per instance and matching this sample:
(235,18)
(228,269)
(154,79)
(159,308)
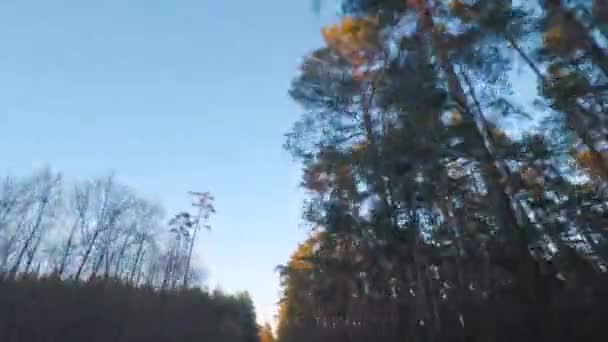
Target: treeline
(102,310)
(95,261)
(95,228)
(430,220)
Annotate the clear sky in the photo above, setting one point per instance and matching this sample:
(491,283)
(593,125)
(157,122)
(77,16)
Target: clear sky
(173,95)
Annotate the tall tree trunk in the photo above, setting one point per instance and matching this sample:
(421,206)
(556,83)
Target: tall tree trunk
(101,227)
(367,101)
(103,256)
(30,238)
(190,249)
(97,265)
(32,253)
(138,255)
(87,253)
(6,249)
(140,268)
(67,249)
(510,213)
(118,266)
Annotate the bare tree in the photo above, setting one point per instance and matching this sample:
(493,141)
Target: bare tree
(46,186)
(101,226)
(80,201)
(145,217)
(10,201)
(204,203)
(151,265)
(109,202)
(17,200)
(173,260)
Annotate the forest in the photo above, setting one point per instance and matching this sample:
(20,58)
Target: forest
(95,261)
(443,205)
(454,157)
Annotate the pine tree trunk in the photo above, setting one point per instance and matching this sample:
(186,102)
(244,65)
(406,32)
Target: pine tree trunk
(510,213)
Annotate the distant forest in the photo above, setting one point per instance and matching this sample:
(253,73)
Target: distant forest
(102,310)
(95,261)
(442,205)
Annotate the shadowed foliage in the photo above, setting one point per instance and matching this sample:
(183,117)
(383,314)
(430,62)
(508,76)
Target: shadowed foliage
(441,207)
(49,309)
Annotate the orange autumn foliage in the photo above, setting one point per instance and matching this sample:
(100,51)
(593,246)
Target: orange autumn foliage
(355,39)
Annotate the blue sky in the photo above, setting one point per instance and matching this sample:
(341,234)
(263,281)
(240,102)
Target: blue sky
(174,96)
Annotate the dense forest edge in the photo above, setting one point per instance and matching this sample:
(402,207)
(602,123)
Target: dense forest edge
(454,156)
(51,309)
(94,260)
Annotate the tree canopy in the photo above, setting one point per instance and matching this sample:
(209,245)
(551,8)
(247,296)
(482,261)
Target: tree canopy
(441,207)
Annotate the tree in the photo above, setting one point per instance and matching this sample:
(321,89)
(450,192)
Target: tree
(424,211)
(93,228)
(44,186)
(109,203)
(204,203)
(266,334)
(111,310)
(80,201)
